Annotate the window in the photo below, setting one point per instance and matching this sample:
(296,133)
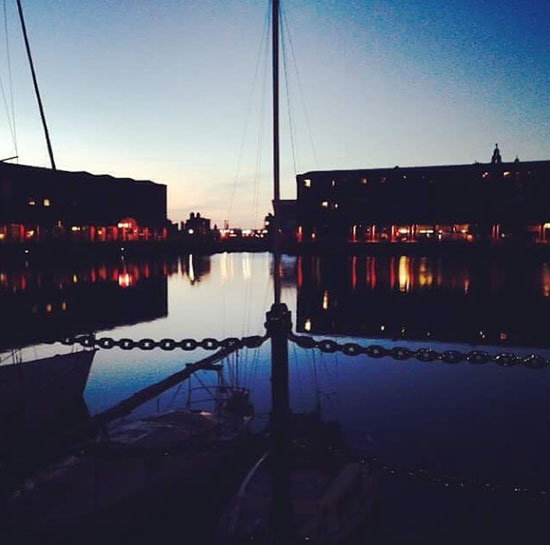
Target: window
(364,181)
(324,204)
(333,183)
(32,202)
(46,202)
(307,182)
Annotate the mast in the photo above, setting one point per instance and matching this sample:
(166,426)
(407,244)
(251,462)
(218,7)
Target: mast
(279,326)
(276,158)
(35,83)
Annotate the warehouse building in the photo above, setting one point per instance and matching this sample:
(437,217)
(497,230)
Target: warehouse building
(491,201)
(39,204)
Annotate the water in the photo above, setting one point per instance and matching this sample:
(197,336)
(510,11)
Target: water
(481,422)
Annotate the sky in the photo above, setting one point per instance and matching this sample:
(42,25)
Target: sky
(178,91)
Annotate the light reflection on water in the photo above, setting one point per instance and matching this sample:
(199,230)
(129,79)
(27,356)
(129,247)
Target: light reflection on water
(476,421)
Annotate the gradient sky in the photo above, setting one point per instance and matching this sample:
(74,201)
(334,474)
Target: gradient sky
(160,90)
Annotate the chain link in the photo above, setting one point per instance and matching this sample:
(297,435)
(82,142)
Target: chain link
(453,482)
(401,353)
(106,343)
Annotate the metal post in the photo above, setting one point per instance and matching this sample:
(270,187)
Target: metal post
(278,326)
(276,159)
(35,82)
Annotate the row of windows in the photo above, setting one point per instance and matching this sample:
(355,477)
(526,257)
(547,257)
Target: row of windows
(45,202)
(307,182)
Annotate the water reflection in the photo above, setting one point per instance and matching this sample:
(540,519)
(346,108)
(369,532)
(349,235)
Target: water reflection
(43,303)
(446,299)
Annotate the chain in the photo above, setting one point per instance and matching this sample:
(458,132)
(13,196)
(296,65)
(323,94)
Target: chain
(90,341)
(401,353)
(452,482)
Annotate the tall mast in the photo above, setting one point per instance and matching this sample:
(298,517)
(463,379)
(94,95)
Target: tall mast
(276,159)
(35,82)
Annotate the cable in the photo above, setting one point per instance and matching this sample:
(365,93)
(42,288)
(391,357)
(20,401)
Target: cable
(10,79)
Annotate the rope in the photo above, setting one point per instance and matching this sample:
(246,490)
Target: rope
(10,79)
(263,46)
(286,31)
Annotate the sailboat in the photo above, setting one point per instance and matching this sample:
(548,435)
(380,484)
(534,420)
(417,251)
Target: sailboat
(308,487)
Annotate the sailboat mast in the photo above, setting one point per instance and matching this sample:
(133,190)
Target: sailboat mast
(276,158)
(35,83)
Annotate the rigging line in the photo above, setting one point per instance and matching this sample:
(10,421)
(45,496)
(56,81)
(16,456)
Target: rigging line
(259,152)
(288,103)
(263,45)
(7,109)
(10,78)
(300,87)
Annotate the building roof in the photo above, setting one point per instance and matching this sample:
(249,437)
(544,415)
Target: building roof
(510,165)
(10,168)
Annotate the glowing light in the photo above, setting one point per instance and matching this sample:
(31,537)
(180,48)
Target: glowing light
(64,306)
(364,181)
(30,233)
(504,336)
(48,308)
(75,228)
(246,267)
(325,300)
(46,202)
(75,279)
(307,324)
(2,236)
(125,280)
(191,269)
(32,202)
(403,275)
(324,204)
(382,328)
(307,182)
(485,175)
(190,231)
(470,238)
(507,174)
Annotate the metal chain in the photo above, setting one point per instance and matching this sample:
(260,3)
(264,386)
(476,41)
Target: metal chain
(401,353)
(90,341)
(456,483)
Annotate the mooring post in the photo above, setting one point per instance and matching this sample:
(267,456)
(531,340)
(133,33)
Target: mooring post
(279,325)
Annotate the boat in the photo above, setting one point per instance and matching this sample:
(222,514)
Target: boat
(128,463)
(330,491)
(34,392)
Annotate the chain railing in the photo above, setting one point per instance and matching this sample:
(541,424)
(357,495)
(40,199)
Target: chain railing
(402,353)
(107,343)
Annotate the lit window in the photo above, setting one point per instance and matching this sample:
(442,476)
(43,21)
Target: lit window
(307,182)
(333,183)
(485,175)
(75,228)
(46,202)
(364,181)
(324,204)
(307,324)
(32,202)
(335,205)
(507,174)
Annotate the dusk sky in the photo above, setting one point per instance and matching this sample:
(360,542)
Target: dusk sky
(160,90)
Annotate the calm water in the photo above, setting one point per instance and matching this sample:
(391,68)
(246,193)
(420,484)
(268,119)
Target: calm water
(470,421)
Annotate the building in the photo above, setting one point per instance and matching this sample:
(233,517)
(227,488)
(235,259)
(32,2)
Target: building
(491,201)
(39,204)
(197,226)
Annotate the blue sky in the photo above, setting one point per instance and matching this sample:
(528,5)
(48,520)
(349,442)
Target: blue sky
(161,90)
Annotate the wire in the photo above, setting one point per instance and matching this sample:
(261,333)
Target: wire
(10,79)
(286,32)
(263,46)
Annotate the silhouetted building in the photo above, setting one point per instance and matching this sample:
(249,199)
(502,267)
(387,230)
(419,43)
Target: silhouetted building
(197,225)
(41,204)
(453,202)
